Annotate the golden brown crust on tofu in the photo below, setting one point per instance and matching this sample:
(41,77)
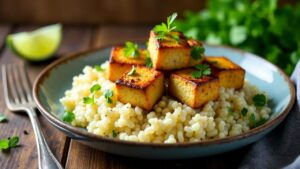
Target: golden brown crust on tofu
(119,63)
(168,54)
(142,89)
(194,92)
(230,74)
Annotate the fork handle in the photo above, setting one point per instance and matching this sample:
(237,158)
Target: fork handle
(46,159)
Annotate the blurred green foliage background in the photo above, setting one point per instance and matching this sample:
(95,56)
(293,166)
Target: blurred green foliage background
(260,27)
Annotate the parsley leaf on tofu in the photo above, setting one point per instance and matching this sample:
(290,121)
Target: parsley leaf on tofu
(68,116)
(202,70)
(244,112)
(2,117)
(197,52)
(131,50)
(164,29)
(98,68)
(108,94)
(9,143)
(94,88)
(88,100)
(259,100)
(132,71)
(148,61)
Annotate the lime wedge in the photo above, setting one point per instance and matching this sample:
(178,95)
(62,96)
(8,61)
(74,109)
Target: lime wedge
(37,45)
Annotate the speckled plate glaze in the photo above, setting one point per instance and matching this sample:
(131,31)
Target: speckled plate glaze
(52,82)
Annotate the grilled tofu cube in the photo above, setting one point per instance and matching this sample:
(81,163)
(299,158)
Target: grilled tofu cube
(194,60)
(230,74)
(119,63)
(142,89)
(194,92)
(168,54)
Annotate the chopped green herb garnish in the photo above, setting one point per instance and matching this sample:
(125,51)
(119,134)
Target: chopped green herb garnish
(261,122)
(202,70)
(132,71)
(148,62)
(197,52)
(9,143)
(252,120)
(163,30)
(131,50)
(244,112)
(2,117)
(230,111)
(259,100)
(98,68)
(108,94)
(114,133)
(95,87)
(68,116)
(88,100)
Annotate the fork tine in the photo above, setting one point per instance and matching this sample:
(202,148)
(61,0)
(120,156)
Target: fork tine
(9,86)
(16,78)
(26,82)
(5,84)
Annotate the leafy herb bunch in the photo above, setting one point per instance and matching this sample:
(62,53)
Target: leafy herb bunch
(257,26)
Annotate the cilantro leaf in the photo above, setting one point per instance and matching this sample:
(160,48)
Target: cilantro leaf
(108,94)
(68,116)
(114,133)
(2,117)
(4,144)
(148,62)
(197,52)
(94,88)
(131,50)
(88,100)
(259,100)
(163,30)
(132,71)
(252,120)
(98,68)
(13,141)
(201,70)
(244,112)
(9,143)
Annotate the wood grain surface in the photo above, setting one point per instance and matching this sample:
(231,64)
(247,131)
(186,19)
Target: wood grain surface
(72,154)
(93,11)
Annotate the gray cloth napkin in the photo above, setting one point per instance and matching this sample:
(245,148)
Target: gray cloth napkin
(280,148)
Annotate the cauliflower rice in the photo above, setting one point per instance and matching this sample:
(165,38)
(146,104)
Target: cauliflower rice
(170,121)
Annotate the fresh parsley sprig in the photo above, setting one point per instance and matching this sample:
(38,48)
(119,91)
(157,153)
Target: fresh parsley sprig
(108,96)
(88,100)
(202,70)
(94,88)
(98,68)
(131,50)
(197,52)
(68,116)
(164,29)
(8,143)
(259,100)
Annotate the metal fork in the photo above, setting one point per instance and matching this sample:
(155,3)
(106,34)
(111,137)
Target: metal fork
(18,97)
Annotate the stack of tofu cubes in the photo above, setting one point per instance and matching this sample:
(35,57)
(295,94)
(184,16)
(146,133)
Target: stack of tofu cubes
(171,73)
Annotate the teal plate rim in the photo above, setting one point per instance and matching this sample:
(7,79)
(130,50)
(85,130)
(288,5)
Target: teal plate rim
(93,137)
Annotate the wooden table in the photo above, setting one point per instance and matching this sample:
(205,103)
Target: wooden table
(70,153)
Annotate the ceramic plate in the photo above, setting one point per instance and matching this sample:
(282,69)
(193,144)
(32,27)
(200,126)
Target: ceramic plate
(57,78)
